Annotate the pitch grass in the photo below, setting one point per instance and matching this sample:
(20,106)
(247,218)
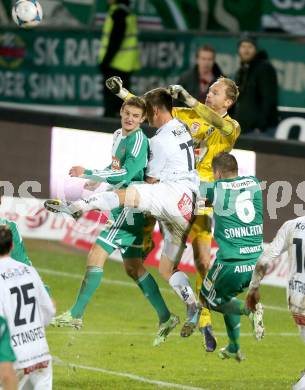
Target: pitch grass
(119,330)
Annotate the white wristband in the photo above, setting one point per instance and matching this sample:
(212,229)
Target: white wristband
(123,93)
(190,101)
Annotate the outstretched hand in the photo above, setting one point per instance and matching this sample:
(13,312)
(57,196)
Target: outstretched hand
(76,171)
(115,84)
(178,92)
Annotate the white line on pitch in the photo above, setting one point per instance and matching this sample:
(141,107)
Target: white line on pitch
(105,280)
(275,308)
(126,375)
(126,284)
(149,334)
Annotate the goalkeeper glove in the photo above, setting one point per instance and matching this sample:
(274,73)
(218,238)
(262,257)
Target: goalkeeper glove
(178,92)
(115,84)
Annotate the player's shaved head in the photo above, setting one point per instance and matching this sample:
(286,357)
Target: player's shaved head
(225,164)
(6,240)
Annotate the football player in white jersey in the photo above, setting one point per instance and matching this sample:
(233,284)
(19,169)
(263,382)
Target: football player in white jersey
(27,308)
(169,195)
(291,238)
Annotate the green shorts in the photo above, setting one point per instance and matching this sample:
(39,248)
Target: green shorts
(126,233)
(227,279)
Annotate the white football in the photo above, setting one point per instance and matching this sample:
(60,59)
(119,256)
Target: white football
(27,13)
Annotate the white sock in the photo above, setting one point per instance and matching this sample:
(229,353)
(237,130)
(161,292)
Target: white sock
(103,201)
(180,283)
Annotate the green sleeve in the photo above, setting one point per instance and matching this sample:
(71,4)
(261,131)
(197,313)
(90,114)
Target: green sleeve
(18,253)
(207,190)
(135,163)
(6,351)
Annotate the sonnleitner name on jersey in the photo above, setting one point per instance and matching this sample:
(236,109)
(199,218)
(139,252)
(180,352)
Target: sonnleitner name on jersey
(244,231)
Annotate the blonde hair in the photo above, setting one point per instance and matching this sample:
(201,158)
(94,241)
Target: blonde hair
(232,91)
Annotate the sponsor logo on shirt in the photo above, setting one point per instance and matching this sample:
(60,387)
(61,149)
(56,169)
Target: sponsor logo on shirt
(250,249)
(300,226)
(14,272)
(181,130)
(237,185)
(34,367)
(244,268)
(210,130)
(116,165)
(194,127)
(185,205)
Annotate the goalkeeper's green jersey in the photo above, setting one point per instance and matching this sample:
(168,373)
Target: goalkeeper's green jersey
(18,252)
(238,215)
(129,159)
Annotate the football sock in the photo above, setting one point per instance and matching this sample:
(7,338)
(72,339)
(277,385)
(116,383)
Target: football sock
(151,291)
(205,318)
(232,322)
(234,306)
(90,283)
(180,283)
(107,200)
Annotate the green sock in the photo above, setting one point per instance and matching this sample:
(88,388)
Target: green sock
(151,290)
(232,322)
(90,283)
(234,306)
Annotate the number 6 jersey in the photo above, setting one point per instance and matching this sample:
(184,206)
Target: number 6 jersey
(238,214)
(27,308)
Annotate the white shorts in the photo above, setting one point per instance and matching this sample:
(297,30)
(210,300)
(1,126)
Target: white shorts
(39,379)
(172,203)
(296,298)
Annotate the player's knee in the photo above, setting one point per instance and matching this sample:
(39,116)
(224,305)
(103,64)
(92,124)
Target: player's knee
(204,261)
(202,255)
(97,256)
(131,197)
(134,271)
(166,268)
(165,274)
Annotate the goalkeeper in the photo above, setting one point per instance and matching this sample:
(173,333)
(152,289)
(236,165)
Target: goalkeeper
(213,131)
